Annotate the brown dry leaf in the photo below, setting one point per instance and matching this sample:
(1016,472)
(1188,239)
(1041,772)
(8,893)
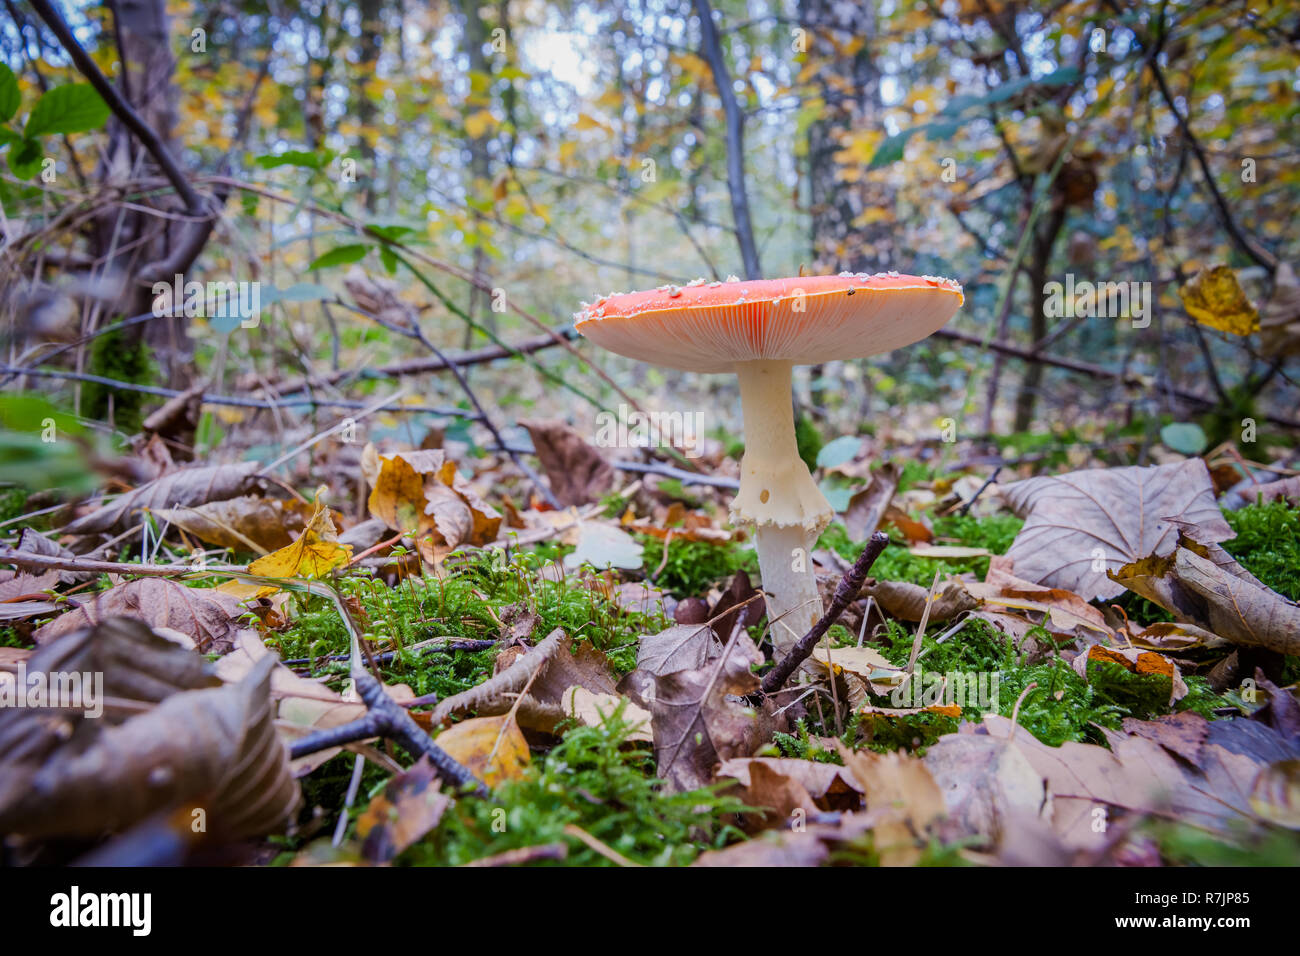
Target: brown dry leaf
(30,588)
(1171,636)
(867,507)
(314,554)
(901,796)
(865,663)
(246,523)
(211,747)
(422,492)
(491,748)
(906,601)
(1101,518)
(1280,324)
(988,785)
(830,786)
(679,648)
(1198,591)
(186,487)
(1061,611)
(783,849)
(576,471)
(698,716)
(1139,773)
(207,615)
(593,709)
(1136,661)
(739,604)
(1287,488)
(1215,298)
(410,806)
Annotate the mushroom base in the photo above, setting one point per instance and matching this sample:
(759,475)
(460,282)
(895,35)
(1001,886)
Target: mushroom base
(794,604)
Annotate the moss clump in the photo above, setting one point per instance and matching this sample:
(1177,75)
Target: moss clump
(114,355)
(692,567)
(995,532)
(1268,544)
(593,779)
(808,440)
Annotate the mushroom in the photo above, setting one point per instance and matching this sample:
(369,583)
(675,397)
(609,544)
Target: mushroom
(760,330)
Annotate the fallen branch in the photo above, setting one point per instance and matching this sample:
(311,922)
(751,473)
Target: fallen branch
(845,592)
(431,364)
(28,560)
(385,718)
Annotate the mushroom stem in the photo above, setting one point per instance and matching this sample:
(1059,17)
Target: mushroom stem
(780,499)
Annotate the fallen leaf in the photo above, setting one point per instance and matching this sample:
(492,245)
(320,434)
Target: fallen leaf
(1080,524)
(207,615)
(576,472)
(593,709)
(246,523)
(314,554)
(679,648)
(1198,591)
(602,545)
(1215,298)
(491,748)
(410,806)
(1135,661)
(186,487)
(214,748)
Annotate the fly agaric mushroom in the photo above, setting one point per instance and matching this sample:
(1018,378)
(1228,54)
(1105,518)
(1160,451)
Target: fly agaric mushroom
(760,330)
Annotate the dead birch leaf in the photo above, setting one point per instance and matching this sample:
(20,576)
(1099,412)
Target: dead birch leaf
(1215,298)
(491,748)
(246,523)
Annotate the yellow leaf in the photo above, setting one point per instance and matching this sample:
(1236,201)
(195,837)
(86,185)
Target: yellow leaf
(1215,298)
(316,552)
(476,124)
(421,492)
(492,748)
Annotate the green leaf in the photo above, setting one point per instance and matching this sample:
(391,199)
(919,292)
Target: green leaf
(74,108)
(293,157)
(839,451)
(389,259)
(9,95)
(1186,438)
(340,256)
(25,158)
(891,150)
(838,496)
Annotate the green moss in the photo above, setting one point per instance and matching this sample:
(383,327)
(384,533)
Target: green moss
(995,532)
(593,779)
(808,440)
(114,356)
(692,567)
(1268,544)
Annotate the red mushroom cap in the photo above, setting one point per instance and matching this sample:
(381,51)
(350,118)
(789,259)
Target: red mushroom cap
(710,326)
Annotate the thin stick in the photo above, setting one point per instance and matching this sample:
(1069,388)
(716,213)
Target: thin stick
(845,593)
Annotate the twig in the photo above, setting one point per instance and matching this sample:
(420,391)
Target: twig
(231,400)
(384,658)
(385,718)
(28,559)
(527,854)
(668,471)
(194,203)
(845,593)
(604,849)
